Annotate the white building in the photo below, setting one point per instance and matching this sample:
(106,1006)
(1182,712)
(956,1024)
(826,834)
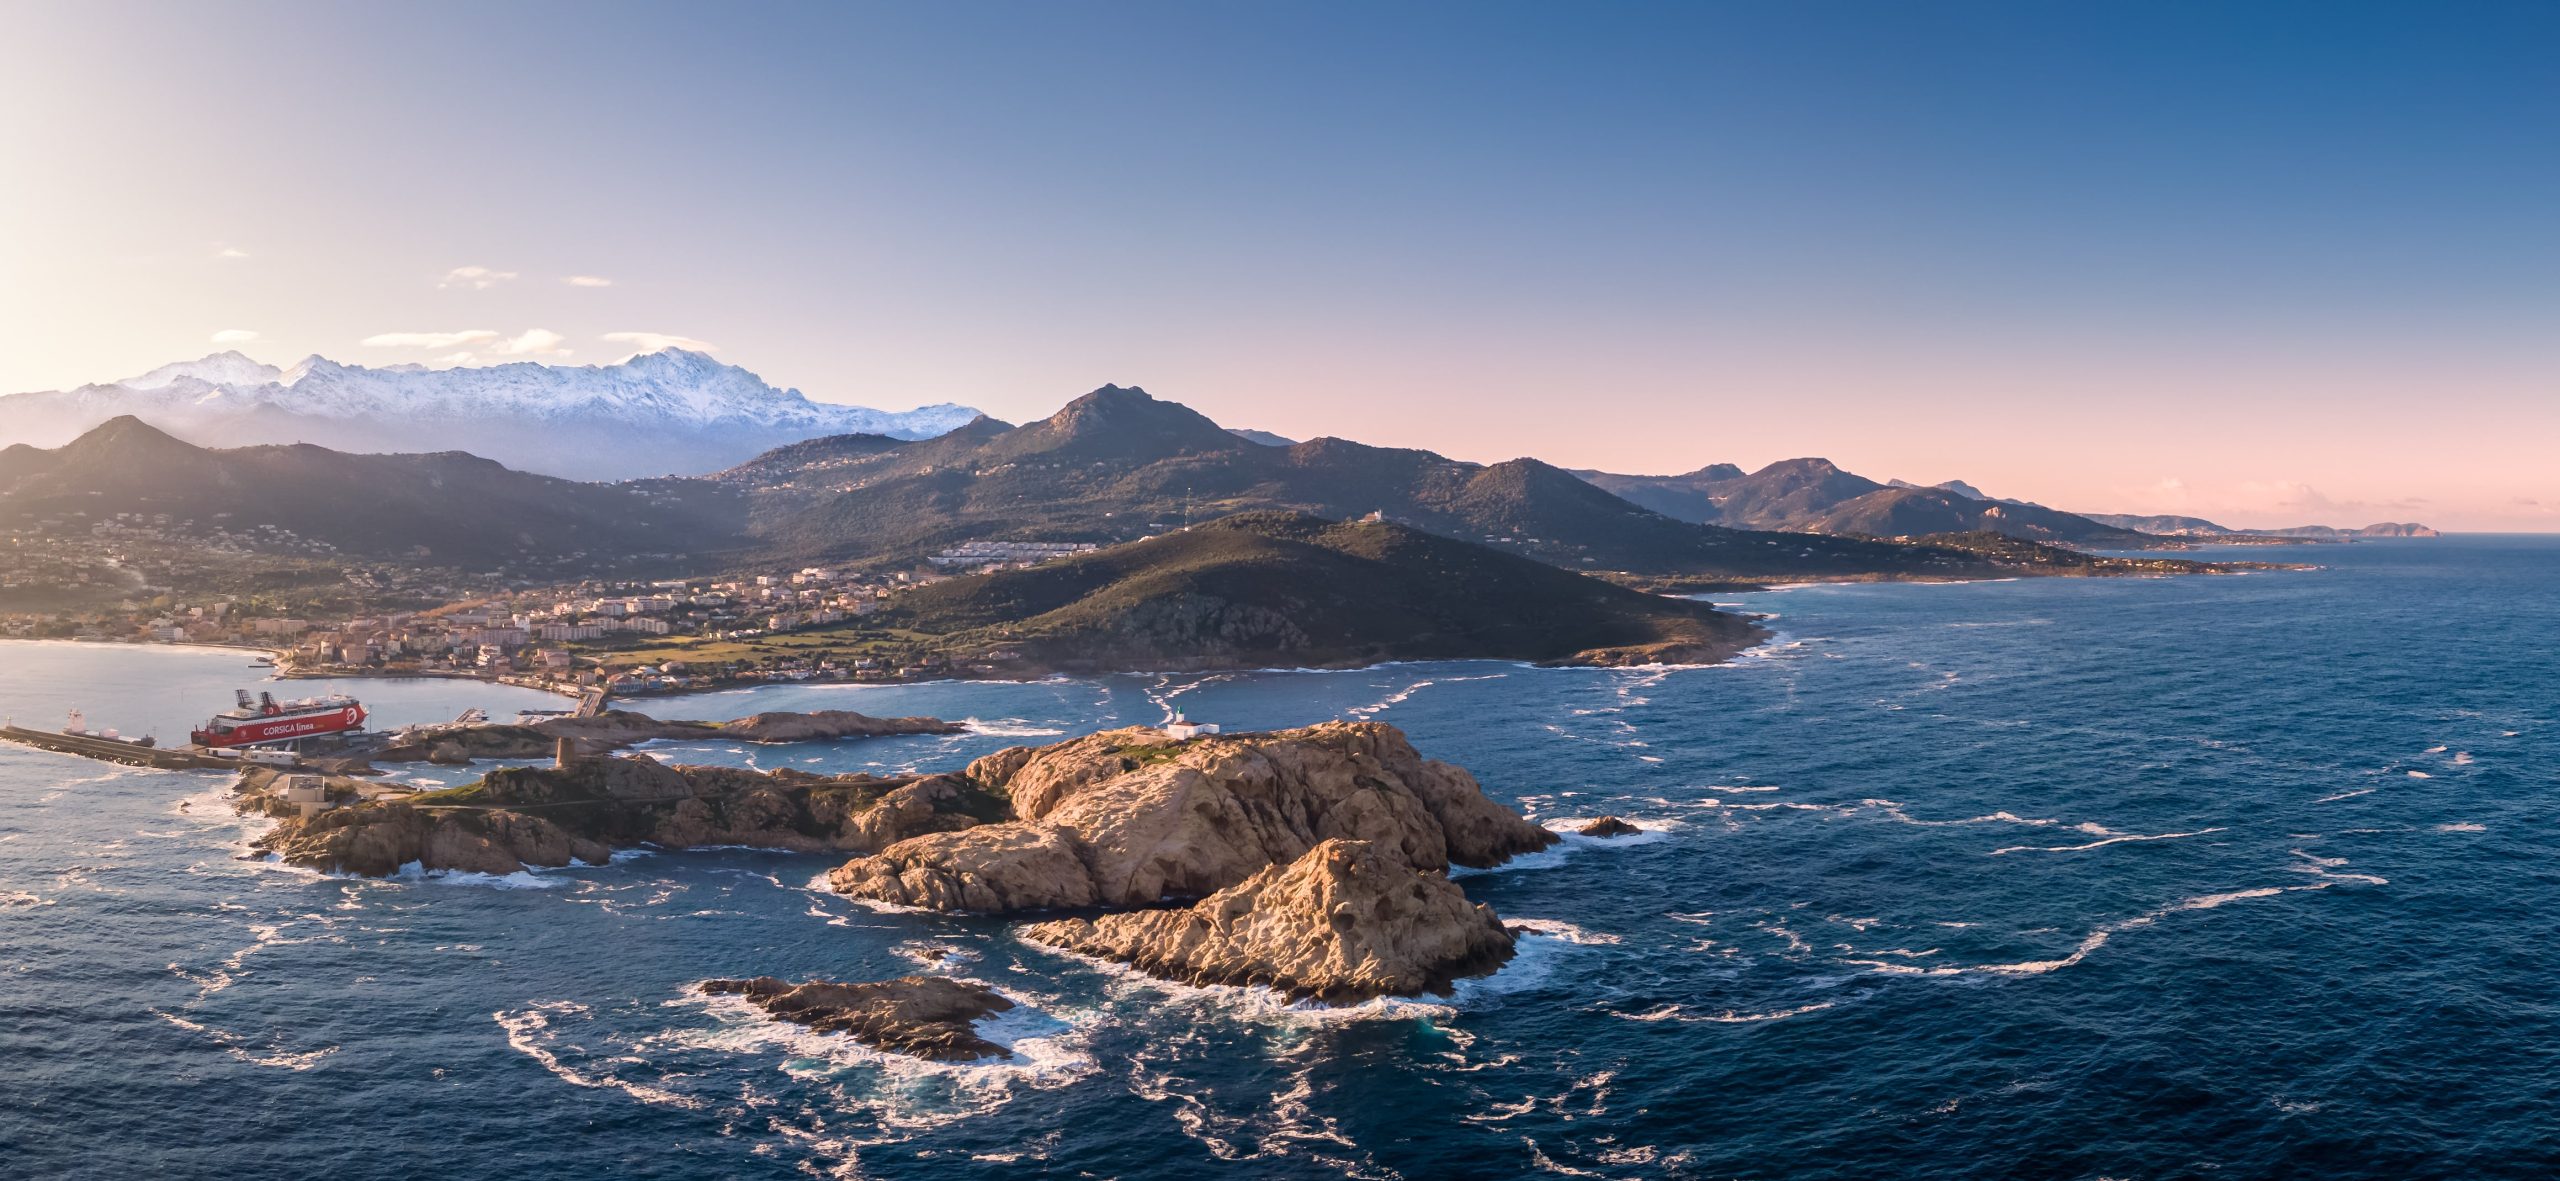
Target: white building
(1183,729)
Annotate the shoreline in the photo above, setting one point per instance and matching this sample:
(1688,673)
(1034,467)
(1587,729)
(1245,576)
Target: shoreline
(1721,655)
(281,670)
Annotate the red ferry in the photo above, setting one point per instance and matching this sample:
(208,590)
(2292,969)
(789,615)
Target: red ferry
(265,720)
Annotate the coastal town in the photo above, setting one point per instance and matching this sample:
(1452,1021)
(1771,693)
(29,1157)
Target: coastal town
(626,637)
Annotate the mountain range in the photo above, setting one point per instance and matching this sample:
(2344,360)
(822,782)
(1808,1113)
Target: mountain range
(1117,464)
(445,509)
(669,412)
(1816,496)
(1113,466)
(2198,527)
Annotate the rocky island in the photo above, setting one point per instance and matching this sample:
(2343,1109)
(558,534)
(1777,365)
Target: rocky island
(1317,857)
(1128,818)
(1311,861)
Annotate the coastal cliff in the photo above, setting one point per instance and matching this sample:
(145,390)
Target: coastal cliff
(1130,818)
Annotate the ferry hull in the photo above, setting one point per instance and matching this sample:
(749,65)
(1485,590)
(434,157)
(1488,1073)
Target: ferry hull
(256,731)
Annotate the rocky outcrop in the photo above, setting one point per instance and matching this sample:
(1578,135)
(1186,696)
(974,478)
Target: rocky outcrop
(1130,818)
(376,840)
(1346,921)
(617,729)
(995,869)
(548,816)
(923,1016)
(827,725)
(1608,826)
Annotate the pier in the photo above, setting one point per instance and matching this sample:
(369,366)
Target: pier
(114,751)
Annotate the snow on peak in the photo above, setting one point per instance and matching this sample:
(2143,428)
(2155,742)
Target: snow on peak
(669,411)
(670,387)
(226,368)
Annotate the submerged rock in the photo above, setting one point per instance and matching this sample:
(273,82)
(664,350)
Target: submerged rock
(1608,826)
(923,1016)
(1347,921)
(1130,818)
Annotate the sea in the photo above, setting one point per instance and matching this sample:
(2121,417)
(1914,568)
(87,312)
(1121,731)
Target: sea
(2245,876)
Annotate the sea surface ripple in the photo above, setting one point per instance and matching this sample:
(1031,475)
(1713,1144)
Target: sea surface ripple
(2243,876)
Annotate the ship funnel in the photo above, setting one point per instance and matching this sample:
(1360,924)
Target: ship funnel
(243,696)
(267,702)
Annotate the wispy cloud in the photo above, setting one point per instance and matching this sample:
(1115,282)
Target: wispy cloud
(2263,504)
(429,340)
(588,281)
(476,278)
(535,342)
(2294,496)
(654,342)
(229,252)
(234,336)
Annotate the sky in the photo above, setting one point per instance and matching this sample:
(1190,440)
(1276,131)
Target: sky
(2264,262)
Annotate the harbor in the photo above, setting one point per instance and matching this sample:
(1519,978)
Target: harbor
(257,731)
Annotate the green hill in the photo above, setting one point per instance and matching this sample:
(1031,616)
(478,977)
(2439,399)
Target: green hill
(1290,590)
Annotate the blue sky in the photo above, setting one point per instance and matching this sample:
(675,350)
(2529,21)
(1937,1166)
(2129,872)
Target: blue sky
(2247,259)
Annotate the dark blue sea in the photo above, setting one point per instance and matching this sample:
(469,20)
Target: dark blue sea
(2230,877)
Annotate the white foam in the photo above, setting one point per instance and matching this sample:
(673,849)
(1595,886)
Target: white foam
(2100,844)
(235,1045)
(2098,937)
(529,1033)
(1894,811)
(1572,842)
(1256,1002)
(1559,929)
(523,879)
(1727,1017)
(1010,728)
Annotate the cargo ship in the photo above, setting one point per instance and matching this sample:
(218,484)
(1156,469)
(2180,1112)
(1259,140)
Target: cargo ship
(265,720)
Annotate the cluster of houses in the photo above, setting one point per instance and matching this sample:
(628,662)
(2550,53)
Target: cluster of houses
(1000,555)
(535,635)
(552,637)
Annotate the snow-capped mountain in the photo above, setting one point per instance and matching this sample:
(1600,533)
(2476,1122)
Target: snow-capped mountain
(671,412)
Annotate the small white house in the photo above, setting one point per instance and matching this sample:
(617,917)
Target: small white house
(307,792)
(1183,729)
